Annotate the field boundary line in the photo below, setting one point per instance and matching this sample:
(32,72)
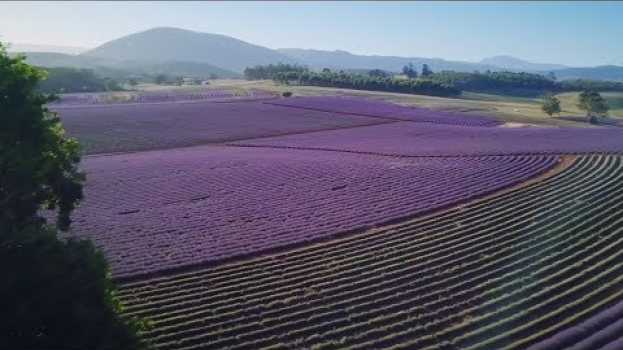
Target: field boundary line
(542,153)
(492,123)
(230,143)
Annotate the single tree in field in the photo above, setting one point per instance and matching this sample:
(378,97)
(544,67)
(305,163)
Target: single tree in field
(551,104)
(161,79)
(55,294)
(378,73)
(409,71)
(426,72)
(551,76)
(594,105)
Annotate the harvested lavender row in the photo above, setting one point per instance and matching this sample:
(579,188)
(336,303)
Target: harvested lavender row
(374,108)
(590,334)
(153,211)
(77,99)
(417,139)
(119,128)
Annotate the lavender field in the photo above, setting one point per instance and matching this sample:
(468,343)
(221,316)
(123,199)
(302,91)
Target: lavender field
(120,128)
(384,110)
(420,139)
(138,97)
(334,222)
(157,210)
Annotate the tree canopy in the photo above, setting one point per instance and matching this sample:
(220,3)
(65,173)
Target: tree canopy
(593,103)
(56,293)
(551,104)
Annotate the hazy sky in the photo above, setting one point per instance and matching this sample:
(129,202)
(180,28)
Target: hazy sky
(573,33)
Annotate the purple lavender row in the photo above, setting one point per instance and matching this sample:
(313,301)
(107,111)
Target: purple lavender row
(153,211)
(417,139)
(614,345)
(78,99)
(590,334)
(374,108)
(119,128)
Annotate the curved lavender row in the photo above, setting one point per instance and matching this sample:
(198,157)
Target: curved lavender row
(154,211)
(416,139)
(614,345)
(119,128)
(373,108)
(589,334)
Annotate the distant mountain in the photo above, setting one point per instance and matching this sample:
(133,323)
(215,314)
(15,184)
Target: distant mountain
(516,64)
(182,52)
(345,60)
(596,73)
(70,50)
(161,45)
(122,69)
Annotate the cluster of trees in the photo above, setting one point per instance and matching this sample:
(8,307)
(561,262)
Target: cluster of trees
(55,293)
(270,71)
(375,80)
(589,101)
(62,80)
(589,85)
(444,83)
(345,80)
(522,84)
(410,72)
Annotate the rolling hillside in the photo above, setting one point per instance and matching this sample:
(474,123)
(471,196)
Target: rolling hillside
(160,45)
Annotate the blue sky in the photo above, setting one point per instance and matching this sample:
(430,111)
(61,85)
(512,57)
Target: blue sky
(573,33)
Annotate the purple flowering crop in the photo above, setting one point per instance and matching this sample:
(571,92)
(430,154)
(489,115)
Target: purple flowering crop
(418,139)
(157,210)
(380,109)
(135,127)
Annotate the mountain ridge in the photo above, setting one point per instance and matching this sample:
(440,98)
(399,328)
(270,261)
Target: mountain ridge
(162,46)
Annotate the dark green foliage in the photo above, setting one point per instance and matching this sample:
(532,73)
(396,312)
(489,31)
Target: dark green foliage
(366,82)
(378,73)
(160,79)
(594,105)
(522,84)
(270,71)
(426,72)
(409,71)
(593,85)
(286,94)
(38,164)
(61,80)
(55,294)
(551,104)
(288,74)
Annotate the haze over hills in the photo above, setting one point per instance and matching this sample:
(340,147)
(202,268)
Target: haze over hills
(185,52)
(345,60)
(172,44)
(513,63)
(70,50)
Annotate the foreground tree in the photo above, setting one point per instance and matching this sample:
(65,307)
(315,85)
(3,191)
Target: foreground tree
(55,293)
(594,105)
(551,104)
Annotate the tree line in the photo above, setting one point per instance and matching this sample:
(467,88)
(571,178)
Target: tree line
(375,80)
(444,83)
